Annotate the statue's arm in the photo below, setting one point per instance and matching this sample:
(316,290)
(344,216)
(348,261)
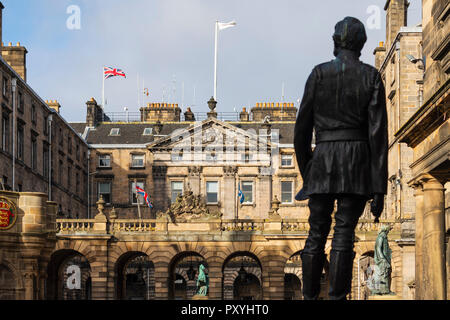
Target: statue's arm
(378,137)
(304,125)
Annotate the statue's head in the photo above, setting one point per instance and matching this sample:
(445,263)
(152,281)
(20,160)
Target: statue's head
(349,34)
(386,229)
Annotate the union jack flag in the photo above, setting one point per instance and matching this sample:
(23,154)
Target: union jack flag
(145,195)
(113,72)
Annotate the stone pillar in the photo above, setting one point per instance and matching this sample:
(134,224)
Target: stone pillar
(229,188)
(215,280)
(161,281)
(434,280)
(194,179)
(273,276)
(263,196)
(99,269)
(419,239)
(29,280)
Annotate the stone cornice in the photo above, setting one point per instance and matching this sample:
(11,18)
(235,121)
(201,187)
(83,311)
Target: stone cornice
(427,118)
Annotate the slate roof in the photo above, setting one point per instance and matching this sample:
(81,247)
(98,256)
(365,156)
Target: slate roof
(132,133)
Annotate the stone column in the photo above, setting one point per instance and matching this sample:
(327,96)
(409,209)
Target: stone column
(434,280)
(419,239)
(29,279)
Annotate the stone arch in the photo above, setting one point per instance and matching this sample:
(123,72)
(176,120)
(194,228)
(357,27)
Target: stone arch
(56,278)
(17,286)
(233,265)
(185,264)
(83,247)
(132,267)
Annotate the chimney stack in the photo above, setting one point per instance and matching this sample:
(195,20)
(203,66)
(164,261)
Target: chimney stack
(396,17)
(54,104)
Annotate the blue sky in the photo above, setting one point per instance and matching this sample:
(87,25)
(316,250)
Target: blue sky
(171,42)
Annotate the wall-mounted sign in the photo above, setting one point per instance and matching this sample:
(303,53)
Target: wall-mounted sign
(8,214)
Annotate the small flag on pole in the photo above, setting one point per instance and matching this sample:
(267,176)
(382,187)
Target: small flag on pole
(240,194)
(113,72)
(142,192)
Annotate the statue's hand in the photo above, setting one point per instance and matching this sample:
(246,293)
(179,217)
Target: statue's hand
(376,207)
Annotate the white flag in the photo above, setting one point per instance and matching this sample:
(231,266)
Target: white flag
(223,26)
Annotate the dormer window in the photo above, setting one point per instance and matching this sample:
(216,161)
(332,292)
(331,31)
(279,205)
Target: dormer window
(115,132)
(147,131)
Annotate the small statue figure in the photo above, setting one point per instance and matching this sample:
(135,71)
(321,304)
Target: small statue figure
(383,268)
(202,281)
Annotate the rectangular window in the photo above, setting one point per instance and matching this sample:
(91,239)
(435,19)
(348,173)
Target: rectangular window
(247,190)
(33,114)
(45,125)
(33,152)
(104,160)
(212,191)
(77,181)
(104,189)
(4,87)
(137,160)
(20,144)
(69,145)
(69,177)
(60,172)
(134,195)
(45,160)
(286,160)
(286,191)
(21,102)
(176,189)
(5,133)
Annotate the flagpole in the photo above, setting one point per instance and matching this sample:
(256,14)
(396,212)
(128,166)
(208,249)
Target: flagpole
(103,88)
(215,59)
(138,200)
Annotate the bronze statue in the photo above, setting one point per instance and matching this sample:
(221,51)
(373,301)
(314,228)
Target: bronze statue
(383,268)
(345,103)
(202,281)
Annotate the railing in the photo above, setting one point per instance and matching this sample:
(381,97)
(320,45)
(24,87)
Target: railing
(199,116)
(123,225)
(285,226)
(74,226)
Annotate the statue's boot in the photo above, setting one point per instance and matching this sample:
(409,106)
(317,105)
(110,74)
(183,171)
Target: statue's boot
(312,266)
(340,274)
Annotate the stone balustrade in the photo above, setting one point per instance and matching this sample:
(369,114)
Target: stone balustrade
(281,226)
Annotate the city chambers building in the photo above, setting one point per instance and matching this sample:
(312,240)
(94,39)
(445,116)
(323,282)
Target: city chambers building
(220,192)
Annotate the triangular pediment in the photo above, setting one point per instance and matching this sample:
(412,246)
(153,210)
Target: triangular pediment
(212,133)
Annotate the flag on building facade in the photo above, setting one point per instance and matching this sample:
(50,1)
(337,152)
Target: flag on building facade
(113,72)
(142,192)
(240,194)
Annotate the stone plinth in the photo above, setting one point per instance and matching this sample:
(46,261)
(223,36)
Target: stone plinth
(385,297)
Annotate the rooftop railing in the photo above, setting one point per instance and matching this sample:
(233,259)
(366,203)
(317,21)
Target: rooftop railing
(199,116)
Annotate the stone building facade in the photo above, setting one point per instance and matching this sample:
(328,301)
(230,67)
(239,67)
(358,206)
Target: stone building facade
(403,82)
(49,156)
(427,133)
(109,247)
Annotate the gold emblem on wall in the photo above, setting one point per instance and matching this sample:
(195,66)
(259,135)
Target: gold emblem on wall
(8,214)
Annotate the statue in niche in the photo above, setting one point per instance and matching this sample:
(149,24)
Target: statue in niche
(202,281)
